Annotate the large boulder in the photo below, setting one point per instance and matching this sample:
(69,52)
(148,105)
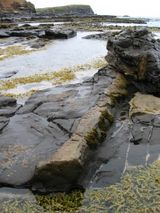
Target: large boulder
(136,54)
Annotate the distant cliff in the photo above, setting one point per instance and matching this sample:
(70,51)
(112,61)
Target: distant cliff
(16,6)
(80,10)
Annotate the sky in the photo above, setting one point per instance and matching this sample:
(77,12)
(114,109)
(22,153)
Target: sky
(139,8)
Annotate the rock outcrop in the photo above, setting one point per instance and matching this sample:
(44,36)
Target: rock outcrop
(16,6)
(46,144)
(47,32)
(52,133)
(136,54)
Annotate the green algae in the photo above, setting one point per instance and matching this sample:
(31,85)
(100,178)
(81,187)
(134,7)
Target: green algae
(138,191)
(21,95)
(57,77)
(92,138)
(98,134)
(61,202)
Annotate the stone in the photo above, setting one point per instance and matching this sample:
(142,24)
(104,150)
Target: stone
(7,74)
(4,34)
(23,33)
(59,34)
(3,122)
(101,36)
(33,140)
(136,54)
(144,104)
(53,133)
(7,101)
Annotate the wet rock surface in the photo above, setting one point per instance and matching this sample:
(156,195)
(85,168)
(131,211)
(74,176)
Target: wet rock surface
(130,143)
(47,143)
(47,31)
(136,54)
(32,135)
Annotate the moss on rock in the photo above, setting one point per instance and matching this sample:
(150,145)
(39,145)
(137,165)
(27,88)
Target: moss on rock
(61,202)
(117,89)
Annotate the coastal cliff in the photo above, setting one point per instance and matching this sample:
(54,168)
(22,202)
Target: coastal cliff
(80,10)
(16,6)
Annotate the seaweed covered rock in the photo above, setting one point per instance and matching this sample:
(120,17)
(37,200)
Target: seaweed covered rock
(136,54)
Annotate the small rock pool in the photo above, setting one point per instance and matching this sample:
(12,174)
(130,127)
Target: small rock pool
(77,54)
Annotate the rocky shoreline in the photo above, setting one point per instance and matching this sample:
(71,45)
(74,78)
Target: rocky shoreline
(54,141)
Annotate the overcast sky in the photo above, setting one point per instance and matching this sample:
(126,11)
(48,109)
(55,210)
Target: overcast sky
(150,8)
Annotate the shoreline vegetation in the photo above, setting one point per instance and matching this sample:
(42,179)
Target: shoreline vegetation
(137,191)
(57,77)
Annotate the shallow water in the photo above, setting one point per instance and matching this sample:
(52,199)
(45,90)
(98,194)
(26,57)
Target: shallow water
(122,24)
(58,54)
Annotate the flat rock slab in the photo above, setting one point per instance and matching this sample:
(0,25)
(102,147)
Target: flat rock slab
(31,141)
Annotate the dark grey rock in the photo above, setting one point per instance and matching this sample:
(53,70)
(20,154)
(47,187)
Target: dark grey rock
(23,33)
(7,74)
(9,111)
(3,123)
(101,36)
(4,34)
(7,101)
(26,140)
(59,34)
(136,54)
(39,128)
